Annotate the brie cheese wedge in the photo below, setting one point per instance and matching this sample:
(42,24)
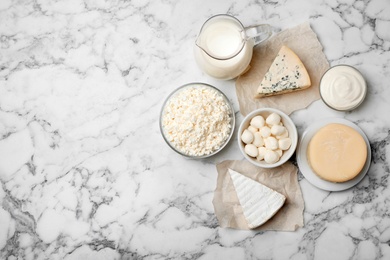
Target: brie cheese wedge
(259,203)
(286,74)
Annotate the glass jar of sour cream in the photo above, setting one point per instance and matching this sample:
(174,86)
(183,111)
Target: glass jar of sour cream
(343,88)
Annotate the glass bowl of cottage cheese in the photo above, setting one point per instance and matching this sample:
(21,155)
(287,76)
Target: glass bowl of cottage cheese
(197,120)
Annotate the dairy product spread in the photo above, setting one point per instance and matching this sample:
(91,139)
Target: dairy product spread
(337,153)
(343,87)
(196,120)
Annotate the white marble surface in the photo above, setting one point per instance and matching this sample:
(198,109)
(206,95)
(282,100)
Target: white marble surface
(84,171)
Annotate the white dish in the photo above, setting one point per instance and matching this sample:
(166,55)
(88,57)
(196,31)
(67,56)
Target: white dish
(287,122)
(308,172)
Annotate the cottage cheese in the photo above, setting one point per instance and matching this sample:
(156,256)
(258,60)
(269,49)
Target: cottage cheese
(197,120)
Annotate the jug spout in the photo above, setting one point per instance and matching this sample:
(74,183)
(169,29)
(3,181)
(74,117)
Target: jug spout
(199,45)
(203,48)
(221,37)
(224,47)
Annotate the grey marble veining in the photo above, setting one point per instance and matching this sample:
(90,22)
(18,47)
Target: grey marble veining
(85,173)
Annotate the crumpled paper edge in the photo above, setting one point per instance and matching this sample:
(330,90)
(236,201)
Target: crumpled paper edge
(305,43)
(283,179)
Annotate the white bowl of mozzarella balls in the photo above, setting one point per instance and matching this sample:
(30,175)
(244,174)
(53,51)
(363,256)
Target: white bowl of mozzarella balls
(267,137)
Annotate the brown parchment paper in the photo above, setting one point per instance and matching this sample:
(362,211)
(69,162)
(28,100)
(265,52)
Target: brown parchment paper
(304,42)
(282,179)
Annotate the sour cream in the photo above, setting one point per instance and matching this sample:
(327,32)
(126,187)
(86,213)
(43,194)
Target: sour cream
(343,87)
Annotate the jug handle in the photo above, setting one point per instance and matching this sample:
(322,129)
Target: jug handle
(258,33)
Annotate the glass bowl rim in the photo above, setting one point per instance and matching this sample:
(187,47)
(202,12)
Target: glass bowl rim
(228,103)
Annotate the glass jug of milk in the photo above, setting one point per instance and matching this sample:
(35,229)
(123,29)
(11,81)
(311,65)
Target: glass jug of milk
(224,46)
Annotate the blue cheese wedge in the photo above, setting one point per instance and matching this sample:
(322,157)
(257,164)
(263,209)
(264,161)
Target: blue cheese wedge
(286,74)
(259,203)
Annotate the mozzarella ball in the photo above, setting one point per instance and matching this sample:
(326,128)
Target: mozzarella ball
(271,143)
(253,129)
(258,139)
(280,152)
(265,131)
(247,136)
(273,119)
(257,121)
(271,156)
(277,130)
(284,135)
(251,150)
(285,143)
(261,154)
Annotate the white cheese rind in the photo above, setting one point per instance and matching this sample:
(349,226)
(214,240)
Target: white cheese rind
(259,203)
(286,74)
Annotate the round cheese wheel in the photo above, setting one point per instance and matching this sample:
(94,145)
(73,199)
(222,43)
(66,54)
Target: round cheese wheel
(337,153)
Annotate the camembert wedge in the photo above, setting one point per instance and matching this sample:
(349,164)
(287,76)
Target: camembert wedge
(259,203)
(286,74)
